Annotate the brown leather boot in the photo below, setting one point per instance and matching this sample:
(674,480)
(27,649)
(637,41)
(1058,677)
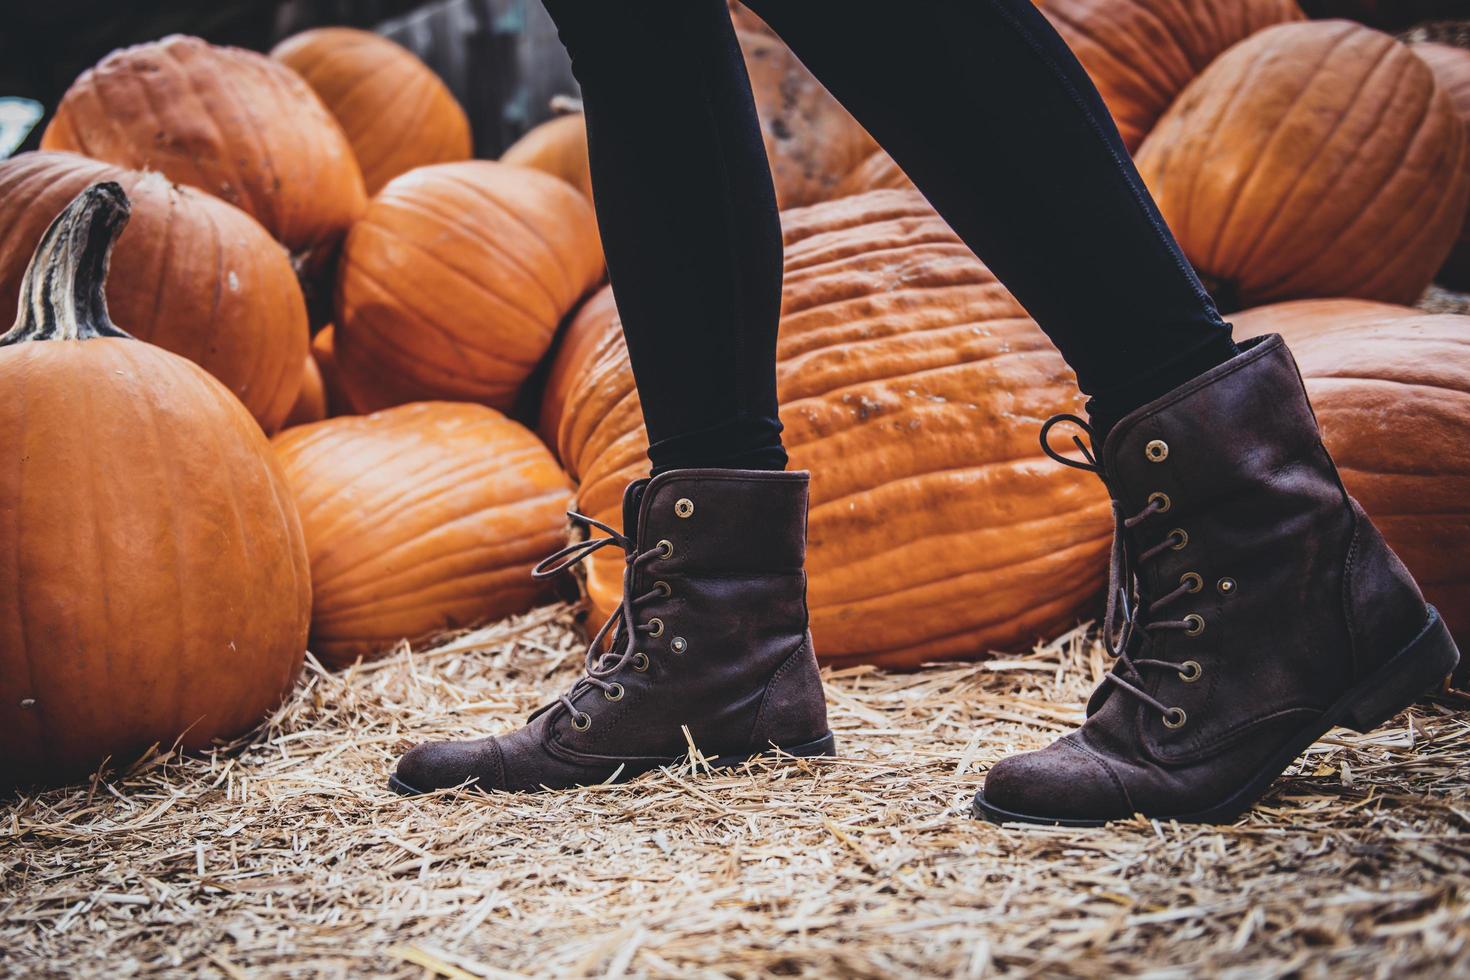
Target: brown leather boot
(712,636)
(1254,606)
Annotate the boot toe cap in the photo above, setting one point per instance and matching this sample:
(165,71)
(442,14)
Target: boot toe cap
(1058,784)
(440,765)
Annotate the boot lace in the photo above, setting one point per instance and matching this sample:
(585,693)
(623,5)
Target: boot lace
(1128,612)
(602,660)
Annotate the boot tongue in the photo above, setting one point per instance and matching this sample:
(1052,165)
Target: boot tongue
(632,499)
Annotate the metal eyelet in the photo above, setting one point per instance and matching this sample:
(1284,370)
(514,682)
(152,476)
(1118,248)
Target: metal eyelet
(581,721)
(678,644)
(1175,718)
(655,627)
(611,696)
(1226,586)
(684,507)
(1196,624)
(665,548)
(640,661)
(1156,451)
(1181,538)
(1190,671)
(1193,580)
(663,588)
(1164,502)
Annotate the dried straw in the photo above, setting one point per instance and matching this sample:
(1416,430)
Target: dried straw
(286,856)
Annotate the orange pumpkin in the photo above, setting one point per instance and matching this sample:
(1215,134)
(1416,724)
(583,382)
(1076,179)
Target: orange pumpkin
(231,122)
(396,112)
(420,519)
(1451,67)
(1142,53)
(1312,159)
(311,402)
(192,274)
(594,322)
(155,585)
(557,147)
(913,387)
(453,283)
(1391,389)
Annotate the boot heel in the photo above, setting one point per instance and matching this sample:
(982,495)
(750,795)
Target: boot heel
(1418,669)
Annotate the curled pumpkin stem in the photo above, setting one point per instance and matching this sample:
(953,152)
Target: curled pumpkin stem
(63,294)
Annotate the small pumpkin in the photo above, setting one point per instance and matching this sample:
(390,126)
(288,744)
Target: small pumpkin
(231,122)
(1312,159)
(155,586)
(557,147)
(595,320)
(396,112)
(311,401)
(420,519)
(1391,389)
(1451,66)
(912,386)
(192,274)
(1142,53)
(453,283)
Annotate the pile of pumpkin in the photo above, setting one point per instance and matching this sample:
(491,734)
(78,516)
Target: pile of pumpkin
(366,375)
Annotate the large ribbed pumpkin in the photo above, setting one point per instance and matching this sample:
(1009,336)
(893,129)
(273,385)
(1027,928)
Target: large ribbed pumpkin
(453,283)
(913,386)
(154,586)
(191,274)
(1312,159)
(1141,53)
(1391,389)
(1451,66)
(229,121)
(420,519)
(396,112)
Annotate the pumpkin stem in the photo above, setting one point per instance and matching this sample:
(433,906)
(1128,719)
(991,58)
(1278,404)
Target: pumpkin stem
(62,296)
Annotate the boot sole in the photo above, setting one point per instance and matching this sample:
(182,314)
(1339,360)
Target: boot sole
(824,746)
(1416,670)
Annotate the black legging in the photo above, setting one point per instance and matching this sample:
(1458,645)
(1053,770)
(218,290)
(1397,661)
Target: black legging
(982,105)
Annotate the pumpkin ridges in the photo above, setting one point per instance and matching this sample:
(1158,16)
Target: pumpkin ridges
(1271,230)
(1142,53)
(507,259)
(454,544)
(1264,232)
(536,234)
(421,494)
(484,234)
(226,120)
(396,112)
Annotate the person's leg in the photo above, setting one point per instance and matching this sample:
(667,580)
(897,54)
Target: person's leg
(688,218)
(1260,606)
(985,108)
(709,642)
